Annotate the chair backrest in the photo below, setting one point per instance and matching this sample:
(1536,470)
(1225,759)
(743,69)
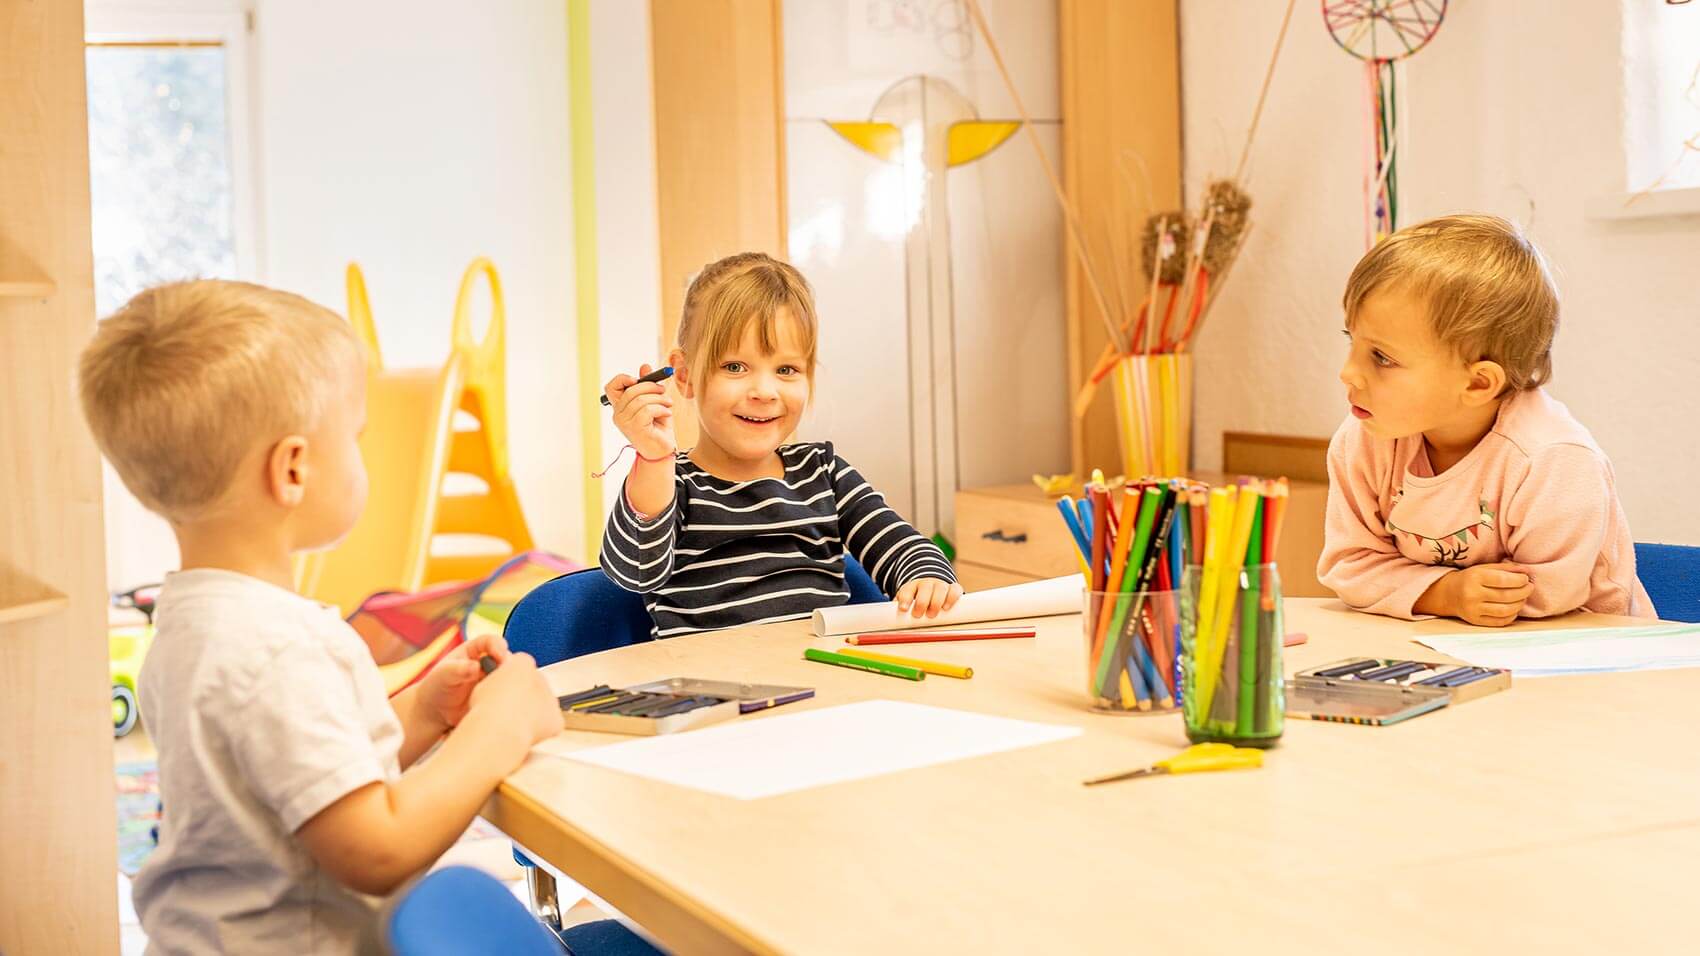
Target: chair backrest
(1671,575)
(574,615)
(863,590)
(585,612)
(459,910)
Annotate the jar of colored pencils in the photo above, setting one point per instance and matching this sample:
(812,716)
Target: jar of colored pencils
(1231,633)
(1132,650)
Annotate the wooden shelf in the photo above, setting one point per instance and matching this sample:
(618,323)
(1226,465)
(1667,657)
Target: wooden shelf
(20,278)
(25,599)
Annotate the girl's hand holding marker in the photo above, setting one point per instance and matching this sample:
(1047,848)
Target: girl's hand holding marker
(643,411)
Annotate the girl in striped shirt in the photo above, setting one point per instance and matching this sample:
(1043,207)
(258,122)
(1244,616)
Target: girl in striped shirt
(743,529)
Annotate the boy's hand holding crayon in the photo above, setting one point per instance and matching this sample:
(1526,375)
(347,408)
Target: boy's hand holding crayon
(445,693)
(512,694)
(926,597)
(643,412)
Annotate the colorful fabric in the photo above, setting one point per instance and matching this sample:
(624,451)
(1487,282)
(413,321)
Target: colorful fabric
(408,632)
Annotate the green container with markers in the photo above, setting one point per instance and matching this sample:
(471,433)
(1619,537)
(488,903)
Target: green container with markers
(1231,634)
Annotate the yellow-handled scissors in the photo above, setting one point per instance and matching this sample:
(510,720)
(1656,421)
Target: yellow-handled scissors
(1199,758)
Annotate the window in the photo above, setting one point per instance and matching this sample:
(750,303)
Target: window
(172,190)
(168,155)
(1662,77)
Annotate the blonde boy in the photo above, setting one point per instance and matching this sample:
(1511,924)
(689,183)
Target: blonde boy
(234,411)
(1457,486)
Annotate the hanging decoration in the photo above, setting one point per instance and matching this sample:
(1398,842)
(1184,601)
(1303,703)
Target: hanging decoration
(1382,33)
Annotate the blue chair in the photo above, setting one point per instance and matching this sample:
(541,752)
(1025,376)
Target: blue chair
(459,910)
(585,612)
(1671,575)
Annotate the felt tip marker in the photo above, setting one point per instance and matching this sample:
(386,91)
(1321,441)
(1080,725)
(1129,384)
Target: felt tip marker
(659,375)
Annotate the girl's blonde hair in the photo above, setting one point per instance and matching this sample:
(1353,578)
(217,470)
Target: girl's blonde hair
(729,294)
(1487,288)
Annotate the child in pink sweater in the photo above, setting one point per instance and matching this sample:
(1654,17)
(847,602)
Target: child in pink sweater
(1458,487)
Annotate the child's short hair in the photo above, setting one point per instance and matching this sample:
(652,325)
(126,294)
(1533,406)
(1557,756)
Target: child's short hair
(186,379)
(1487,288)
(729,294)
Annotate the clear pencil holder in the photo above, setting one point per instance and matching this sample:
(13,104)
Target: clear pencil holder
(1231,634)
(1132,646)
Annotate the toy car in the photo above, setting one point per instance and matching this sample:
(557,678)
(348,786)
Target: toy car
(128,644)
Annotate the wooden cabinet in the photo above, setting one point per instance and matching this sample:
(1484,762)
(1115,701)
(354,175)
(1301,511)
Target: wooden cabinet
(1011,534)
(58,852)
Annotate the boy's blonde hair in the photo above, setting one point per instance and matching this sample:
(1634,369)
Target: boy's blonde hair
(729,294)
(187,379)
(1487,288)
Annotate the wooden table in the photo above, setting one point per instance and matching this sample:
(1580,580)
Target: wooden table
(1561,814)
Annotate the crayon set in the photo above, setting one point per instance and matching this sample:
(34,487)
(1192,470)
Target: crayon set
(1381,691)
(662,707)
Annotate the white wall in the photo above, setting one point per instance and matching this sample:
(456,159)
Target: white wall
(1514,109)
(628,245)
(412,136)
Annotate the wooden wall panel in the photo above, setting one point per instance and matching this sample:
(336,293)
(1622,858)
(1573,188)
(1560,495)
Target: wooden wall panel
(1120,93)
(719,144)
(58,841)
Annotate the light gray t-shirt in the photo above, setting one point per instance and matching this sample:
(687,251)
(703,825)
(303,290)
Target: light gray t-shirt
(266,708)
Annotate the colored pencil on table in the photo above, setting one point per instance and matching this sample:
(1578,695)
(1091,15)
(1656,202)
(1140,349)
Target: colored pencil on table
(928,637)
(931,667)
(857,663)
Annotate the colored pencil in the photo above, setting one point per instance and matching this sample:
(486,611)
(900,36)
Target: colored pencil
(1250,604)
(856,663)
(932,667)
(1100,532)
(1065,504)
(927,637)
(1129,513)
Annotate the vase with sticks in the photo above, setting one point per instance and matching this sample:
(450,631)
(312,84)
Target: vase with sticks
(1187,258)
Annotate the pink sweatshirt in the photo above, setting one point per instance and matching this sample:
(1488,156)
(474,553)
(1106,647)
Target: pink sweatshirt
(1536,491)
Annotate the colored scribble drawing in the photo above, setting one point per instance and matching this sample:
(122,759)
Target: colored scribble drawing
(945,22)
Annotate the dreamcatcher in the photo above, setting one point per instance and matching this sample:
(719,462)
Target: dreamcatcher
(1381,33)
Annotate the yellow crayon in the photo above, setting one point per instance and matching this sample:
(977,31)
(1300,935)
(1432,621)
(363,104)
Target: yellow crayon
(930,667)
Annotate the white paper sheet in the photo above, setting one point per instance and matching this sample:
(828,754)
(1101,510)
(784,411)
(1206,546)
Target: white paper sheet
(1589,650)
(782,754)
(1034,599)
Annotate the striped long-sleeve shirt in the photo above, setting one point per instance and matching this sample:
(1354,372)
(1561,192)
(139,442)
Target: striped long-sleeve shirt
(728,553)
